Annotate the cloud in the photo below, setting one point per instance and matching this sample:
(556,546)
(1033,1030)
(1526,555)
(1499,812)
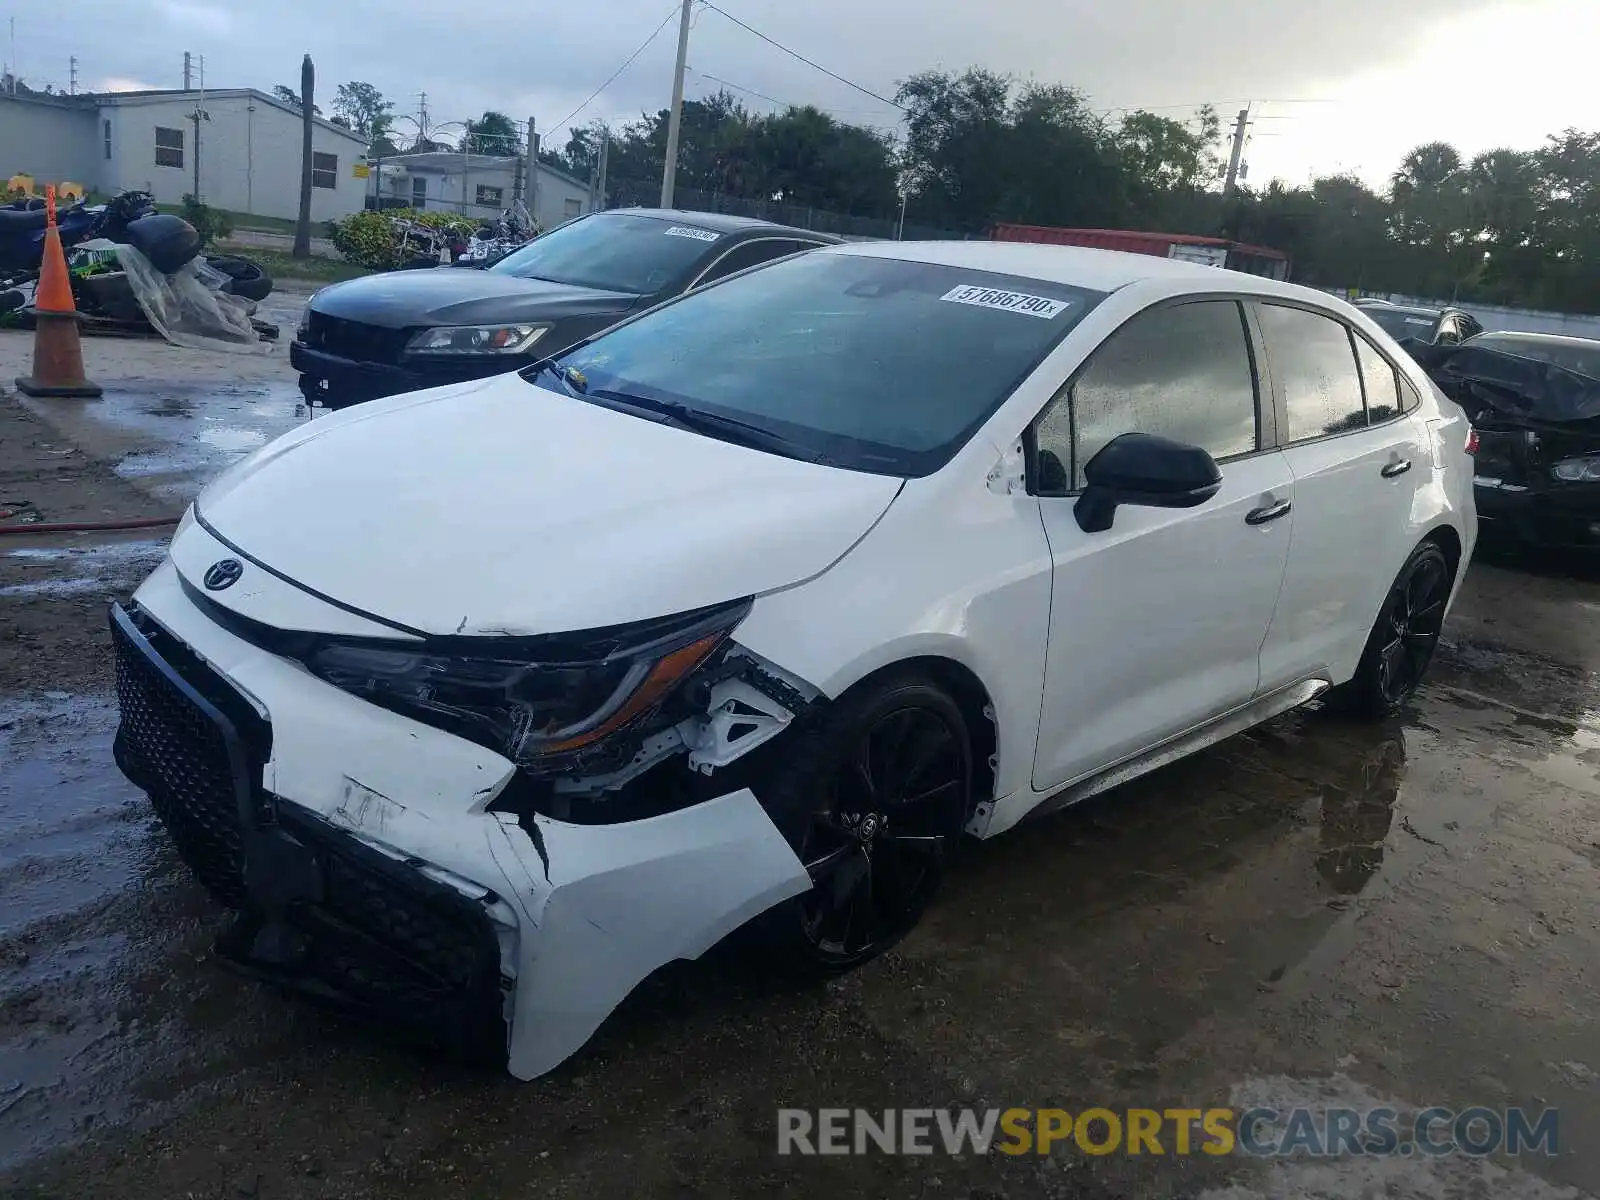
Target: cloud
(117,83)
(1166,54)
(197,18)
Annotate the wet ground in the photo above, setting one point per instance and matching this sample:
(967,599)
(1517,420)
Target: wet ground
(1314,912)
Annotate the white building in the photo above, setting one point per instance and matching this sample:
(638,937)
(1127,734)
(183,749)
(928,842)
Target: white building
(248,157)
(477,185)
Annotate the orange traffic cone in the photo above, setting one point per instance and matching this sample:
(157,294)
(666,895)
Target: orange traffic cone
(57,353)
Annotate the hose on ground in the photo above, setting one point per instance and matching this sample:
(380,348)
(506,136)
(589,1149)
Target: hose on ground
(91,526)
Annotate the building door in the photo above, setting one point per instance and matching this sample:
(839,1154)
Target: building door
(419,191)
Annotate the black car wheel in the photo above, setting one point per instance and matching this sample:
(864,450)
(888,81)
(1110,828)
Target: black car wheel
(1403,638)
(876,797)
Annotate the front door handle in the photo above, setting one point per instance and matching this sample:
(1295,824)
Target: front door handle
(1260,516)
(1398,467)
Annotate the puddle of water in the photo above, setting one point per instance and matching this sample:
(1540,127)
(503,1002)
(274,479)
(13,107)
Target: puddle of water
(145,550)
(88,893)
(59,572)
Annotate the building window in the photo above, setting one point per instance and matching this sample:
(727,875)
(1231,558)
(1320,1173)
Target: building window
(489,195)
(571,207)
(325,170)
(419,191)
(105,129)
(169,147)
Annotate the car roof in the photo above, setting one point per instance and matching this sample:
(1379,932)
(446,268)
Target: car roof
(725,222)
(1537,339)
(1077,266)
(1415,310)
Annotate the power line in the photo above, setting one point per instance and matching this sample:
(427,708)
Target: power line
(626,63)
(801,57)
(738,88)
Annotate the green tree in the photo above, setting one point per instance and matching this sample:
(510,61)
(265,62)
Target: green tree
(365,110)
(292,98)
(492,133)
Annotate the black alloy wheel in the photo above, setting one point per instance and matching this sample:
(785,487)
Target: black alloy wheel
(1404,637)
(880,794)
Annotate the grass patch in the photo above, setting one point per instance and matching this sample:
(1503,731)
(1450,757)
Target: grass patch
(282,265)
(244,220)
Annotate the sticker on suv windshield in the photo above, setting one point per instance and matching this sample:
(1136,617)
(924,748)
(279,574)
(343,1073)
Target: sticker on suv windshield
(689,231)
(1017,302)
(1418,321)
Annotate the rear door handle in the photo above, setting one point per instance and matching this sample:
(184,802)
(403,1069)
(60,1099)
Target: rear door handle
(1260,516)
(1399,467)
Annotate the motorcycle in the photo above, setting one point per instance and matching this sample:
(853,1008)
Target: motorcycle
(103,290)
(22,225)
(494,240)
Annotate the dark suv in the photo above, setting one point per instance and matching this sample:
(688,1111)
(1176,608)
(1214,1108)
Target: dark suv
(406,330)
(1430,326)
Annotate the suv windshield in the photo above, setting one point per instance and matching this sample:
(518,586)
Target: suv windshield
(870,363)
(1402,323)
(613,252)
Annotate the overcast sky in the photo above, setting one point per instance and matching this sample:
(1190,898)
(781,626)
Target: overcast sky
(1387,74)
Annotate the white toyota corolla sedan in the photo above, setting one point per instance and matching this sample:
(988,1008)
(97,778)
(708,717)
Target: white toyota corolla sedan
(745,611)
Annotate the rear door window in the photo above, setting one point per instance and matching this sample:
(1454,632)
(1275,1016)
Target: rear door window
(1380,381)
(1315,366)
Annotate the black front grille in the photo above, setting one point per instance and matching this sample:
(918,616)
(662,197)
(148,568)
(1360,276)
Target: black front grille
(387,939)
(354,340)
(185,751)
(369,931)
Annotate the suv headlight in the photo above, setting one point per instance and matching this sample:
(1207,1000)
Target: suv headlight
(1578,470)
(475,339)
(530,698)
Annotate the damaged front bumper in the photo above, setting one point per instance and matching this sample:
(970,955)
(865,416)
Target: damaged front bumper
(368,868)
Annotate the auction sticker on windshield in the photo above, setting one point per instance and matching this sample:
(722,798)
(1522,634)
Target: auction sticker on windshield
(1017,302)
(689,231)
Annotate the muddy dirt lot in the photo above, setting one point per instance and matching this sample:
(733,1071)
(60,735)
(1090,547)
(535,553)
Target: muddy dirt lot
(1312,913)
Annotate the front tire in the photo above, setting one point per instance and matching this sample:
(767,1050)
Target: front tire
(1402,640)
(873,799)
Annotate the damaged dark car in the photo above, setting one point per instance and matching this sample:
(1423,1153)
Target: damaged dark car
(1534,400)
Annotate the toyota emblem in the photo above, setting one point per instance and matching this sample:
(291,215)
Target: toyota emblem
(223,574)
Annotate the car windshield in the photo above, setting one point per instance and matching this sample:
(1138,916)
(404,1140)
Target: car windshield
(1580,356)
(613,252)
(1402,323)
(875,364)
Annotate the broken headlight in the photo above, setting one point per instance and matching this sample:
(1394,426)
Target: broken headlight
(475,339)
(530,698)
(1578,470)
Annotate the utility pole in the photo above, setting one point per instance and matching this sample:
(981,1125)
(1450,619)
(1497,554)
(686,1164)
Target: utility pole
(533,173)
(669,173)
(1234,155)
(200,114)
(308,90)
(13,70)
(597,174)
(186,71)
(72,75)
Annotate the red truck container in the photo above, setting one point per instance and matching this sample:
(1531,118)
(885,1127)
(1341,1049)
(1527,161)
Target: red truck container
(1215,252)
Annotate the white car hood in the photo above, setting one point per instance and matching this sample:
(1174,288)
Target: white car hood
(501,507)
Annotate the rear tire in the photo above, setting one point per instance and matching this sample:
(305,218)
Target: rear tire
(873,799)
(1402,640)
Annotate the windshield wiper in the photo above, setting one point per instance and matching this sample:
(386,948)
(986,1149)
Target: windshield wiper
(729,429)
(571,380)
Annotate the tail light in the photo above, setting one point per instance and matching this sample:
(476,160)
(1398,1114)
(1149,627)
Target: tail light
(1472,441)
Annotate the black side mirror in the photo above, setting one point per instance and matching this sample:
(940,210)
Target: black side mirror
(1140,468)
